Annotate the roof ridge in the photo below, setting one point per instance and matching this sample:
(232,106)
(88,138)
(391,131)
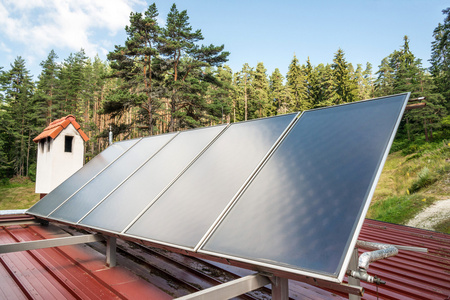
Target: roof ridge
(55,127)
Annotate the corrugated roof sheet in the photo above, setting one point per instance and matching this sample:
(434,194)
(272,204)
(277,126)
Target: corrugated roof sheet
(70,272)
(55,127)
(80,272)
(409,275)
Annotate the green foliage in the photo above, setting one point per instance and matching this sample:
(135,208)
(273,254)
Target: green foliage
(440,58)
(424,179)
(19,120)
(32,172)
(399,209)
(277,94)
(244,90)
(344,85)
(133,64)
(184,60)
(220,94)
(261,101)
(296,87)
(319,85)
(47,89)
(364,81)
(402,72)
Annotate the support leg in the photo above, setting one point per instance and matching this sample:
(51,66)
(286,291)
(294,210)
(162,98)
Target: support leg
(280,288)
(111,251)
(353,265)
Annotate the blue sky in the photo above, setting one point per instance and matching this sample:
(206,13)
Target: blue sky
(252,31)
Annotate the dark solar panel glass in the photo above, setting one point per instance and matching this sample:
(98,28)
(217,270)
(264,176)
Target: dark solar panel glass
(189,207)
(302,208)
(80,178)
(99,187)
(137,192)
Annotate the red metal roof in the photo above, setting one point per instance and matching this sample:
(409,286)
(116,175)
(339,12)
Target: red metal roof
(409,275)
(80,272)
(57,126)
(69,272)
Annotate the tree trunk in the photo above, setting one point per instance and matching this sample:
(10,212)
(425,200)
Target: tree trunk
(425,128)
(245,98)
(172,112)
(234,111)
(431,132)
(407,128)
(28,152)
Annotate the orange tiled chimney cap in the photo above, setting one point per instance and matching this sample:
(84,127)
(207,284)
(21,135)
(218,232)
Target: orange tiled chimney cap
(57,126)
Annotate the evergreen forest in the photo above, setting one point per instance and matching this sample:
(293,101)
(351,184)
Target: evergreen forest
(163,79)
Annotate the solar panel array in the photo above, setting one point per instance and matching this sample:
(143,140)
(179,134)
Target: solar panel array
(287,192)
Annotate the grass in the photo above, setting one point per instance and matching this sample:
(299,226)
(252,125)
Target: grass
(17,194)
(399,209)
(426,171)
(443,226)
(412,179)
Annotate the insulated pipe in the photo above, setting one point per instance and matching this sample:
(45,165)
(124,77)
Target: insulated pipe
(110,137)
(384,251)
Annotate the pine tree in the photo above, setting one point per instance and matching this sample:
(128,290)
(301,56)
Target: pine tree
(364,81)
(406,69)
(6,143)
(407,75)
(429,117)
(244,92)
(319,85)
(312,84)
(440,58)
(296,87)
(133,65)
(368,82)
(277,93)
(19,105)
(344,84)
(184,59)
(326,86)
(46,89)
(261,91)
(384,84)
(71,84)
(220,95)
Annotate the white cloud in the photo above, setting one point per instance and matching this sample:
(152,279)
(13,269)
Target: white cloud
(41,25)
(5,48)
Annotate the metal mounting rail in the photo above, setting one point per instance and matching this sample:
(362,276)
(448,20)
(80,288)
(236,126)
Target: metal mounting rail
(57,242)
(19,222)
(230,289)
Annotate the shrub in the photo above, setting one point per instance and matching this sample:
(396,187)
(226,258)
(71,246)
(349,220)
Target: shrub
(4,181)
(32,172)
(424,179)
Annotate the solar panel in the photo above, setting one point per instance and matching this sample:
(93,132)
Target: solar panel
(80,178)
(303,208)
(282,193)
(145,185)
(187,209)
(105,182)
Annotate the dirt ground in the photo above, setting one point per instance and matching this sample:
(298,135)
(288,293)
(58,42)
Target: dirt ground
(432,215)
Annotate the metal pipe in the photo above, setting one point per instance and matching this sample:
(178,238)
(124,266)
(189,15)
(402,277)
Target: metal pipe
(384,251)
(363,275)
(110,135)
